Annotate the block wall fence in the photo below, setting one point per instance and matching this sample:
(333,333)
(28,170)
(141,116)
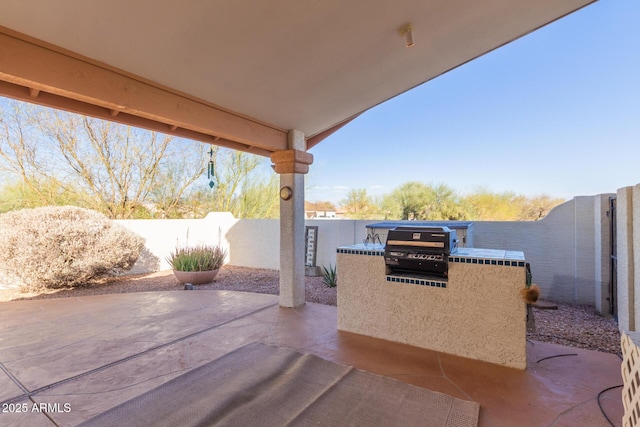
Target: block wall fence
(568,250)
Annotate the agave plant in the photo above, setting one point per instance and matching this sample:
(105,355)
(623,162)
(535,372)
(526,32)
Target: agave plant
(329,276)
(197,258)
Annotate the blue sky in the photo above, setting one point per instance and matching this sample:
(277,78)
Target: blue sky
(556,112)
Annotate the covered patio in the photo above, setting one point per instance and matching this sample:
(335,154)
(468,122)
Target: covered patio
(96,352)
(274,79)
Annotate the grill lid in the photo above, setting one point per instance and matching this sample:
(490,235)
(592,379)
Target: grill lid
(435,239)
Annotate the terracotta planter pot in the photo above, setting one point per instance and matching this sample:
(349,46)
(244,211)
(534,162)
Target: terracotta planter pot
(195,277)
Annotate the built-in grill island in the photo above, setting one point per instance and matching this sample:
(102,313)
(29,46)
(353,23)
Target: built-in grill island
(421,289)
(420,250)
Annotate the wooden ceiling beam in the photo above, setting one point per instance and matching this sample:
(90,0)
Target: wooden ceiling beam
(55,101)
(89,86)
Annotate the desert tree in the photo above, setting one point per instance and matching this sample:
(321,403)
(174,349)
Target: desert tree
(118,170)
(18,148)
(359,205)
(416,200)
(442,203)
(409,200)
(537,207)
(487,205)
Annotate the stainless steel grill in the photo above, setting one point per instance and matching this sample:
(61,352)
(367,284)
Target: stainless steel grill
(420,250)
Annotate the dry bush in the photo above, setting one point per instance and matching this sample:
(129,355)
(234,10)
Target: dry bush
(63,246)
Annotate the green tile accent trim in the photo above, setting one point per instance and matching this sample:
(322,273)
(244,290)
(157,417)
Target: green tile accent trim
(417,281)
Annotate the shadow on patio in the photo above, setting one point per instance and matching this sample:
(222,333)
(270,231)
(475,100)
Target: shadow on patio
(92,353)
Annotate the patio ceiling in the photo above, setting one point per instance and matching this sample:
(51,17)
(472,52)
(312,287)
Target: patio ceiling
(241,73)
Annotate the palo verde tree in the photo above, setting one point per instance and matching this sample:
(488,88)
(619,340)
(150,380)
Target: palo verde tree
(359,205)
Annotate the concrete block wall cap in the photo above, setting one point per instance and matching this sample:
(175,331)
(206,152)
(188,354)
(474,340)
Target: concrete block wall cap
(291,155)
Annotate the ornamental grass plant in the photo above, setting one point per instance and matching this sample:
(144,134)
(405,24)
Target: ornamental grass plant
(197,258)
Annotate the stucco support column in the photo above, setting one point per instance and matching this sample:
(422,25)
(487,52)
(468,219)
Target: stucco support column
(291,165)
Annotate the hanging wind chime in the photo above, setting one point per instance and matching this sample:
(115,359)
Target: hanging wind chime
(211,170)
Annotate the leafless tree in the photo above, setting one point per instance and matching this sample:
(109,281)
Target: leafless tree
(118,170)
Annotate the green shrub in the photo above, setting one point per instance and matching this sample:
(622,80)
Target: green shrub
(63,246)
(197,258)
(329,276)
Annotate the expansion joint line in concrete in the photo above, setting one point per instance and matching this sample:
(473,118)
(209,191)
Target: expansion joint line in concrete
(14,379)
(25,391)
(28,394)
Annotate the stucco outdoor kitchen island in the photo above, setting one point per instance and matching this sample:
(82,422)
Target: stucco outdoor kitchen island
(476,312)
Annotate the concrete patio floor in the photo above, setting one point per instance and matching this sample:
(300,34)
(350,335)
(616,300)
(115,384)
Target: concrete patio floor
(89,354)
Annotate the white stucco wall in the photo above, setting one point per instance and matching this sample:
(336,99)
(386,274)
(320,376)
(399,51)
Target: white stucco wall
(162,236)
(334,233)
(250,242)
(255,243)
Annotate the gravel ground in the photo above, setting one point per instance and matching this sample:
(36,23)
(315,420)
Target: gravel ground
(230,278)
(570,325)
(578,326)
